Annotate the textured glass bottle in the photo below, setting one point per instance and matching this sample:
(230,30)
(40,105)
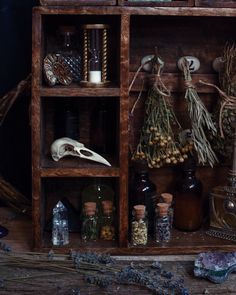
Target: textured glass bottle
(188,199)
(60,230)
(69,52)
(90,229)
(143,192)
(139,226)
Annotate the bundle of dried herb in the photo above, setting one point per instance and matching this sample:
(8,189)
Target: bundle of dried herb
(158,144)
(93,268)
(200,120)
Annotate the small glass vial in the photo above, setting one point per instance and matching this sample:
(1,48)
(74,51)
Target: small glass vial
(60,230)
(89,230)
(168,199)
(162,223)
(139,226)
(107,231)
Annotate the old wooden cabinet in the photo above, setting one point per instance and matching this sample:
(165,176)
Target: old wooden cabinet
(135,32)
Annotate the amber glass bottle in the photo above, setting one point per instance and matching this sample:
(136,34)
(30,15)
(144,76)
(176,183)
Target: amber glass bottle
(188,211)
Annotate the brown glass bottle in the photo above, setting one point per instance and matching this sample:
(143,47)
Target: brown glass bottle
(143,192)
(188,211)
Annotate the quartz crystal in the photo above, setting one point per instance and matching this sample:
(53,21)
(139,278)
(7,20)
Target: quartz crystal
(215,266)
(60,231)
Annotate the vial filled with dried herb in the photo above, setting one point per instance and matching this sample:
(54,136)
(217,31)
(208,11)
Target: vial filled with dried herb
(162,223)
(90,229)
(168,199)
(139,226)
(107,231)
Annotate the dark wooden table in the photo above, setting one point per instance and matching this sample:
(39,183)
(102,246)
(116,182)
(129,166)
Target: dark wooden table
(20,239)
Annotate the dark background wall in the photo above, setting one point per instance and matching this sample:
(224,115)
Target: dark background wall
(15,65)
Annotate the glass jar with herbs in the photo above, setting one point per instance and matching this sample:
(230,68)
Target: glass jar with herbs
(162,223)
(139,226)
(107,231)
(90,229)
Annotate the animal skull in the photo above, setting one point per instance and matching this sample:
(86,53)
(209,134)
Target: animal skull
(66,146)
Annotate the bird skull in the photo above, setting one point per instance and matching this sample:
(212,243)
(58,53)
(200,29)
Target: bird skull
(66,146)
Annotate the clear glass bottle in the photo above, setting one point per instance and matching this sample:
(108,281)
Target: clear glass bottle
(89,231)
(107,231)
(168,199)
(188,205)
(162,223)
(95,66)
(60,230)
(143,192)
(69,51)
(139,226)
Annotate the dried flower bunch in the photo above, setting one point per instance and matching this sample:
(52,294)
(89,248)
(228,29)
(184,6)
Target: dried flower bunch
(200,120)
(93,268)
(158,144)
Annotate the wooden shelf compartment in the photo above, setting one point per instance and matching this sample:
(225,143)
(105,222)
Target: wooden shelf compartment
(70,191)
(167,3)
(85,109)
(78,91)
(52,43)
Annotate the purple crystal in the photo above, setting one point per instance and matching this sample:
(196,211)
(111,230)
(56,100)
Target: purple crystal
(215,266)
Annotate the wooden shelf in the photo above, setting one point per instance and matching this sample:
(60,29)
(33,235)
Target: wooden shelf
(76,91)
(77,167)
(168,11)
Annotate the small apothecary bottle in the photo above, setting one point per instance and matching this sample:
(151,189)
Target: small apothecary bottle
(60,229)
(162,223)
(107,231)
(168,199)
(89,231)
(188,199)
(139,226)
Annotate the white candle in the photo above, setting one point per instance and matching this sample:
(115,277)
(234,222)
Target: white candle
(95,76)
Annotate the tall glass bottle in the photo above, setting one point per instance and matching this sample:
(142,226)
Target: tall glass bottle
(188,211)
(143,192)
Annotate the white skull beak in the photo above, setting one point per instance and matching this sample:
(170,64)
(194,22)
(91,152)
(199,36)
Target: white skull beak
(65,146)
(90,155)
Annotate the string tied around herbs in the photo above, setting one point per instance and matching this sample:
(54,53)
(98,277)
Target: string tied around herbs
(228,102)
(200,119)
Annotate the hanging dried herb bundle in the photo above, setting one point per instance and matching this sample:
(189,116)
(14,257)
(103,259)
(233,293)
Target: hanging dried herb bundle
(200,120)
(157,144)
(226,108)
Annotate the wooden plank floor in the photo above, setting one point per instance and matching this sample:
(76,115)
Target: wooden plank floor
(20,239)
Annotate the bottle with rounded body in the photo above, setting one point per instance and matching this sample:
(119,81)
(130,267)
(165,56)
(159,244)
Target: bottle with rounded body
(188,199)
(143,192)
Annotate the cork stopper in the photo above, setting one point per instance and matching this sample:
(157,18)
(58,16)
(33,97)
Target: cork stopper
(90,208)
(107,206)
(139,211)
(167,198)
(162,209)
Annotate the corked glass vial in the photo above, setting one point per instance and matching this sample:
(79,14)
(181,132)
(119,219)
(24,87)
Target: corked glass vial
(168,199)
(89,231)
(107,231)
(162,223)
(139,226)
